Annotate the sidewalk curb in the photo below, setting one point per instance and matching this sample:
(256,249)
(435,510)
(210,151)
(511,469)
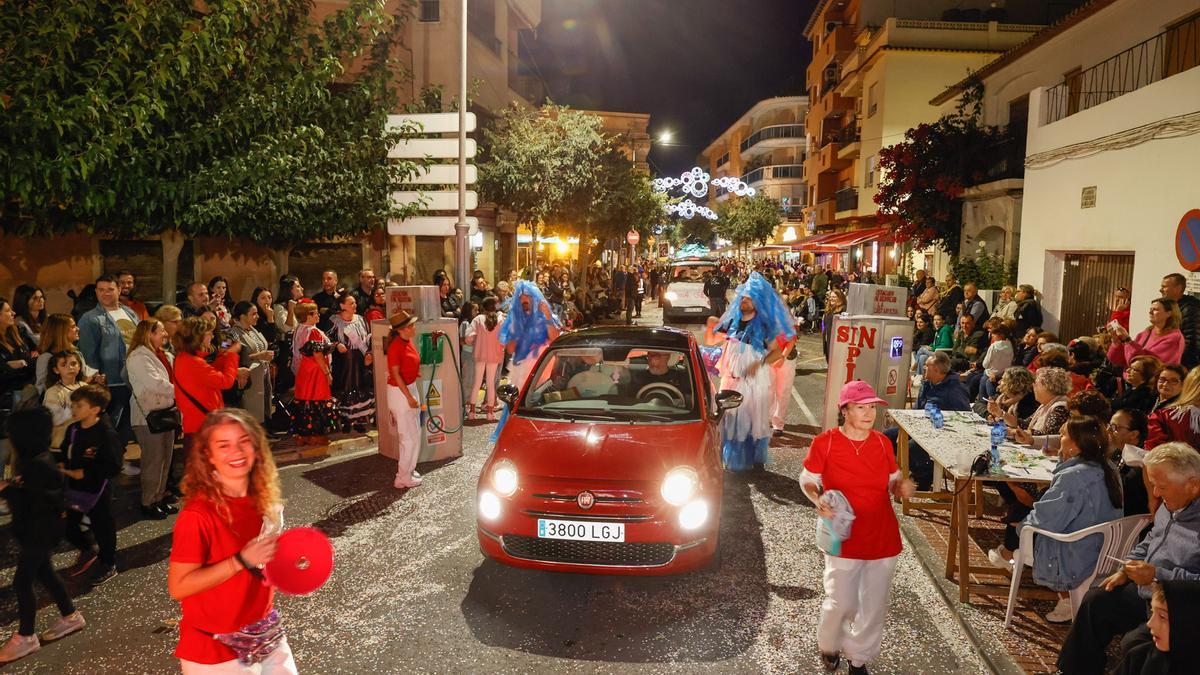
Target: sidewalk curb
(990,650)
(335,448)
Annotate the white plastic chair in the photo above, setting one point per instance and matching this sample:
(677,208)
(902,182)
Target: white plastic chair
(1119,536)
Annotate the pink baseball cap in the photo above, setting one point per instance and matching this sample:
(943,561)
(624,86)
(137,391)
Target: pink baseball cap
(858,392)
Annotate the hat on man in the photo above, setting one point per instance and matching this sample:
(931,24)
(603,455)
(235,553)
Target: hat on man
(859,392)
(401,319)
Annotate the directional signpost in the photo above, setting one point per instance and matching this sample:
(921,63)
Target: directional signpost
(462,174)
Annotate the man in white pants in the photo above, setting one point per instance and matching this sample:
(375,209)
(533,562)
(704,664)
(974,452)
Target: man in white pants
(403,401)
(783,374)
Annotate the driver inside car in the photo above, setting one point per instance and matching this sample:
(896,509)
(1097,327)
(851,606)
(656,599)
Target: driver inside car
(658,370)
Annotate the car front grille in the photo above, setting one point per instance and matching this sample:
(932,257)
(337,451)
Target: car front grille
(632,554)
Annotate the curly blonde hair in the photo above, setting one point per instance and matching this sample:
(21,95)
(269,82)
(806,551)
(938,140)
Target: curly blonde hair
(199,478)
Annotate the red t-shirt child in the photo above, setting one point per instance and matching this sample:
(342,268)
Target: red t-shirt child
(203,536)
(862,472)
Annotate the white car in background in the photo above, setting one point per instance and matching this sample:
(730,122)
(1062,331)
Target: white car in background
(683,297)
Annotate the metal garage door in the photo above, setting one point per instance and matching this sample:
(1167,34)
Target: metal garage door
(1088,284)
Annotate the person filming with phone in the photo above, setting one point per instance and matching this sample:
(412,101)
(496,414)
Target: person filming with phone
(198,383)
(1161,339)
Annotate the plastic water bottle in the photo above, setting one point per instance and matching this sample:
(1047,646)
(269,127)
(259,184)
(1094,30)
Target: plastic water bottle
(935,416)
(929,406)
(999,434)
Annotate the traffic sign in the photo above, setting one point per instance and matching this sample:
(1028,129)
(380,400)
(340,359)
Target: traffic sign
(442,174)
(430,226)
(436,201)
(633,237)
(1187,241)
(432,123)
(437,148)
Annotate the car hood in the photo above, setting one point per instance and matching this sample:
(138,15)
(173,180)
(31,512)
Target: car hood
(583,450)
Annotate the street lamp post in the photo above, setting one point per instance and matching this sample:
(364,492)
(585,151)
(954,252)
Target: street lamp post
(462,244)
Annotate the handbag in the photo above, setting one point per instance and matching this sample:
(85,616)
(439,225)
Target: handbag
(162,420)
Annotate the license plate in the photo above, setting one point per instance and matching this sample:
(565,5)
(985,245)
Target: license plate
(695,310)
(577,531)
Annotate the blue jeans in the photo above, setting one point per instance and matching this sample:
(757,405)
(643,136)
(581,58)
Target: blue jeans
(921,356)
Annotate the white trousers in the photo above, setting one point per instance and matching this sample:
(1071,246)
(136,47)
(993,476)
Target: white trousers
(280,662)
(483,370)
(855,606)
(407,423)
(781,391)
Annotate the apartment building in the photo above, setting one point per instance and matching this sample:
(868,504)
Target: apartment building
(875,66)
(1103,111)
(765,149)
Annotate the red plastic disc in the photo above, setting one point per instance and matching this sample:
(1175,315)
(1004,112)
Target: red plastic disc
(303,561)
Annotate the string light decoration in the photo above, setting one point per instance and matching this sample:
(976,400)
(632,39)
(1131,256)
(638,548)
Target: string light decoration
(694,182)
(688,209)
(734,185)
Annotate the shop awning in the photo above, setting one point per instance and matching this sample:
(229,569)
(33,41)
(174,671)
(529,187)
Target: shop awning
(811,242)
(772,247)
(845,240)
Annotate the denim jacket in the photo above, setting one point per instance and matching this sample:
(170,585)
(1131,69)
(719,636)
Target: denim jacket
(1076,499)
(101,342)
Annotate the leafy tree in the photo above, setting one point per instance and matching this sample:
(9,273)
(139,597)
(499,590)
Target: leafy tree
(925,175)
(544,165)
(748,220)
(238,119)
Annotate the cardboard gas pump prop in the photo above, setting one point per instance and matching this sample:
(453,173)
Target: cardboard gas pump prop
(439,384)
(871,342)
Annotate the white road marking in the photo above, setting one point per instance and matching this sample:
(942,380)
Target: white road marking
(803,407)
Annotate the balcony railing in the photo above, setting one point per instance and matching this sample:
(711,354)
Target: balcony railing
(768,133)
(1168,53)
(846,199)
(793,212)
(773,172)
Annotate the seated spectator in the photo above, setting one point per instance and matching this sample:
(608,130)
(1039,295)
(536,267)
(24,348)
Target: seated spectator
(1168,553)
(1085,491)
(970,344)
(1026,349)
(1140,377)
(974,305)
(929,298)
(1014,396)
(1174,632)
(996,360)
(1179,421)
(923,332)
(1127,440)
(1162,338)
(61,334)
(1086,403)
(1028,313)
(1050,387)
(943,339)
(1169,385)
(1006,304)
(948,393)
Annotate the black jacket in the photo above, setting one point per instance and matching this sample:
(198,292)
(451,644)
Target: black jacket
(1028,315)
(949,303)
(36,500)
(1189,307)
(97,450)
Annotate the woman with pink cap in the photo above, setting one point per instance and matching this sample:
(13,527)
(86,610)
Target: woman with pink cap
(852,468)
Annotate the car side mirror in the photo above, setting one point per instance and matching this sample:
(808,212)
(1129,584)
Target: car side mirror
(727,399)
(508,393)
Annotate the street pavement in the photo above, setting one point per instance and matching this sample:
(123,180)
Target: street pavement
(412,593)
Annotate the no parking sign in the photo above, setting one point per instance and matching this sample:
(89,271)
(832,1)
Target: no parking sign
(1187,241)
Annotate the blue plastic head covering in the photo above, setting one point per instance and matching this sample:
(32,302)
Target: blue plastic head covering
(530,330)
(771,317)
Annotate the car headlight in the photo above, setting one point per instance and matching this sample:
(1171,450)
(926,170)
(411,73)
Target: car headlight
(504,477)
(680,485)
(672,296)
(489,505)
(693,515)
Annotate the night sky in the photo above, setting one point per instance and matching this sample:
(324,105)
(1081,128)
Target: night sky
(695,65)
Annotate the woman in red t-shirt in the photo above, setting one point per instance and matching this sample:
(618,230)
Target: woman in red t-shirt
(224,536)
(856,461)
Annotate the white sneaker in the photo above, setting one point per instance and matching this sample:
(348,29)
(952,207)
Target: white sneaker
(130,470)
(1062,612)
(64,627)
(416,476)
(1000,561)
(18,646)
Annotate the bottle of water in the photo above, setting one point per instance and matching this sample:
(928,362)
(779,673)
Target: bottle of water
(999,434)
(929,406)
(935,416)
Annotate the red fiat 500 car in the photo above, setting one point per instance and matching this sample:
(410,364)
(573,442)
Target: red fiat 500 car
(610,462)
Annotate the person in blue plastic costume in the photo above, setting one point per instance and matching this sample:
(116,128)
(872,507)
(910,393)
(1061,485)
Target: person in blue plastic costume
(756,326)
(525,332)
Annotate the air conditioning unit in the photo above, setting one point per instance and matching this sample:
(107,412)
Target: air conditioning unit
(830,74)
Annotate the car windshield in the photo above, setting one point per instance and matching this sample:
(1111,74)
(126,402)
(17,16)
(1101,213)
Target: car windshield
(620,384)
(692,272)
